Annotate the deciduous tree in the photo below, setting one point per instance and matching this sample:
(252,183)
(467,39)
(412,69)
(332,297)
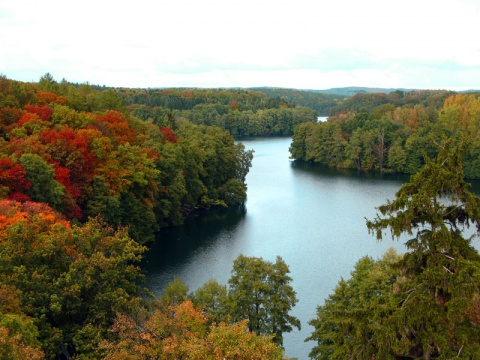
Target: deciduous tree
(260,291)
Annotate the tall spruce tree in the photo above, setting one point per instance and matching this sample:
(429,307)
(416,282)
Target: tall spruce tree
(438,284)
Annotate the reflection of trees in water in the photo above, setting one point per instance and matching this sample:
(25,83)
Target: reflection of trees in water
(175,245)
(325,171)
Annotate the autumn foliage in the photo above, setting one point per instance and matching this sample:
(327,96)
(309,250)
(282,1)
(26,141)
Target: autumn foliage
(182,332)
(77,150)
(12,180)
(82,185)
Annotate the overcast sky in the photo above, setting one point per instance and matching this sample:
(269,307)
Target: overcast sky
(309,44)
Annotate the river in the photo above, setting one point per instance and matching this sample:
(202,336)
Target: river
(311,216)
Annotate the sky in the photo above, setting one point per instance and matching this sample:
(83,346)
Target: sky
(303,44)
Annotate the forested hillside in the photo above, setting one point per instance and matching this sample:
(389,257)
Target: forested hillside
(78,150)
(321,101)
(241,112)
(391,132)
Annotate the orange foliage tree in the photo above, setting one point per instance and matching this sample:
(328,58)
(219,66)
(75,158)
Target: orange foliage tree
(182,332)
(72,280)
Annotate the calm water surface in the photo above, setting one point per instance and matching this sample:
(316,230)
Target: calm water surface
(313,217)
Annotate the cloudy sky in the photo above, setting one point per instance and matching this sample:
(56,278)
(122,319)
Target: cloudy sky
(309,44)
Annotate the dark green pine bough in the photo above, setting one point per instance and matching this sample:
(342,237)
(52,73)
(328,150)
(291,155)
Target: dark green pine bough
(426,303)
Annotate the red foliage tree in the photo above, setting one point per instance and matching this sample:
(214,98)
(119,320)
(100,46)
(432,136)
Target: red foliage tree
(43,111)
(168,135)
(39,215)
(27,117)
(12,177)
(70,151)
(72,192)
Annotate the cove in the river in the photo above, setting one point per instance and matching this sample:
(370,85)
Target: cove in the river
(313,217)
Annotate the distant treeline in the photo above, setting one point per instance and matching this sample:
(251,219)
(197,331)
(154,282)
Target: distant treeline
(334,101)
(241,112)
(391,132)
(322,102)
(431,100)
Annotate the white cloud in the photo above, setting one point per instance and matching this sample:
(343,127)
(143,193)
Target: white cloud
(309,44)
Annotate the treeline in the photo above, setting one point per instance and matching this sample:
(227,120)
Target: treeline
(424,304)
(321,101)
(241,112)
(391,138)
(431,100)
(74,149)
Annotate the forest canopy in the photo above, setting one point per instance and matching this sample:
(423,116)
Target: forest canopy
(241,112)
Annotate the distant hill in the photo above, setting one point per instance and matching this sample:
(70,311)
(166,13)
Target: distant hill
(469,91)
(353,90)
(322,101)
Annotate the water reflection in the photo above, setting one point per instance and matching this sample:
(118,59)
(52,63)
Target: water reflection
(324,171)
(176,247)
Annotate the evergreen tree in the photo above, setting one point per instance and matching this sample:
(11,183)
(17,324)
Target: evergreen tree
(438,282)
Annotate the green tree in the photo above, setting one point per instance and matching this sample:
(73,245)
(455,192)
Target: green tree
(260,291)
(354,149)
(212,298)
(175,293)
(439,277)
(298,147)
(243,162)
(48,83)
(347,325)
(109,100)
(42,176)
(397,156)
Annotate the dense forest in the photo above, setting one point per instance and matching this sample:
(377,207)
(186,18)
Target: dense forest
(322,102)
(89,175)
(77,150)
(241,112)
(391,132)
